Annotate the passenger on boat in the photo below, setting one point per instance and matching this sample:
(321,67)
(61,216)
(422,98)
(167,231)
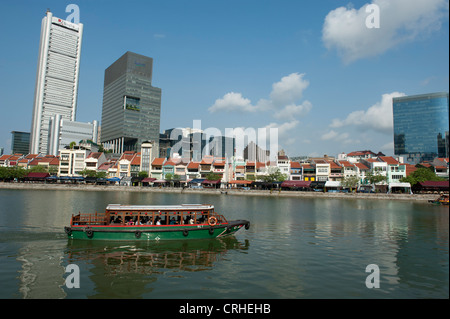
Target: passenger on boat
(172,221)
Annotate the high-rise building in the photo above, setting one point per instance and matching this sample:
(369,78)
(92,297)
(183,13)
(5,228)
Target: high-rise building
(421,127)
(20,142)
(131,105)
(63,132)
(57,77)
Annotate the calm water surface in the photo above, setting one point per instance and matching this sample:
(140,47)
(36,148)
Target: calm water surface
(295,248)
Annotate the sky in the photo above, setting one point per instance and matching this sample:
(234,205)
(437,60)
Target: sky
(323,73)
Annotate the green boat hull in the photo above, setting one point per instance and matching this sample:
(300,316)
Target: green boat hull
(154,233)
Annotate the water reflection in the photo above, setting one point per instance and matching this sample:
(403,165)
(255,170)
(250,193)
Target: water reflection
(120,270)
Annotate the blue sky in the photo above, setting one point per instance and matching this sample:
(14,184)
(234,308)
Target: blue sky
(312,69)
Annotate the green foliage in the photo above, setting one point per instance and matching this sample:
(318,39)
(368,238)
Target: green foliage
(375,178)
(213,176)
(421,174)
(274,175)
(350,182)
(143,174)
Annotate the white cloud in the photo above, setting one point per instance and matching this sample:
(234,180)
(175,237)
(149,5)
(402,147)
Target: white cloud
(289,89)
(233,102)
(388,147)
(283,129)
(401,21)
(333,135)
(378,117)
(292,111)
(282,102)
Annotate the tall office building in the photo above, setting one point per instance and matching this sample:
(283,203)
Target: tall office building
(421,127)
(20,142)
(57,77)
(131,105)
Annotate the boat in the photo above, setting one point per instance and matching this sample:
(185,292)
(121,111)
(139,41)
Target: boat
(153,223)
(441,200)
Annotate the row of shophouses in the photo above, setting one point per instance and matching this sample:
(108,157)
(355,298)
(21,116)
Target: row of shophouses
(72,162)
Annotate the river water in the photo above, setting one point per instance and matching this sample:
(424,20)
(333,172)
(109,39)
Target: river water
(295,248)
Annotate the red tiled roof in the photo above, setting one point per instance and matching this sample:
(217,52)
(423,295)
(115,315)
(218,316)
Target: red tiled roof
(361,166)
(389,159)
(295,165)
(136,160)
(346,164)
(193,165)
(158,161)
(260,165)
(128,155)
(219,164)
(95,155)
(333,164)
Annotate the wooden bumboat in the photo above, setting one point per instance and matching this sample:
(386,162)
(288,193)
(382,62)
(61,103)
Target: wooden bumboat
(441,200)
(153,223)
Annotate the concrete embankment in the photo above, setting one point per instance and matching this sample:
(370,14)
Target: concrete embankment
(223,192)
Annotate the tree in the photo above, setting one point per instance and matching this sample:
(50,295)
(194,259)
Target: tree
(143,174)
(72,144)
(213,176)
(421,174)
(274,175)
(88,173)
(101,175)
(350,182)
(375,178)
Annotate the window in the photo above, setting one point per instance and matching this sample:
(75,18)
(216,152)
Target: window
(131,103)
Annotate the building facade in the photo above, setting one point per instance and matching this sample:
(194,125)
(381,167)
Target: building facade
(62,132)
(57,77)
(421,127)
(20,142)
(131,105)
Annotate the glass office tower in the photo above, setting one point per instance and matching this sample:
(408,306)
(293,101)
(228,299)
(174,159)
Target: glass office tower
(57,77)
(131,105)
(20,142)
(421,126)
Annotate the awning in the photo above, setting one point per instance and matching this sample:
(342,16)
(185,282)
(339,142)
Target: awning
(435,184)
(210,182)
(407,185)
(197,180)
(148,180)
(296,184)
(333,184)
(240,182)
(113,179)
(160,181)
(35,175)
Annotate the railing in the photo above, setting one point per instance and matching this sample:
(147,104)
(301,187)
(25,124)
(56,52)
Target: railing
(89,219)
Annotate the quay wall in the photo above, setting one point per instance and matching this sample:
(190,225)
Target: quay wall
(223,192)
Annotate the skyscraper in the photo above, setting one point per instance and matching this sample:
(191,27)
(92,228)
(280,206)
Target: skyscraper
(20,142)
(131,105)
(57,77)
(421,127)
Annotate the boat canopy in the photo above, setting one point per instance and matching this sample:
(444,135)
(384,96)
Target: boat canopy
(188,207)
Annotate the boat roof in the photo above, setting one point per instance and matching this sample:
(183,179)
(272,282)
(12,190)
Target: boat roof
(160,207)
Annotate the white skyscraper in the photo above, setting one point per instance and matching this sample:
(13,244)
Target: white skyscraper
(57,78)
